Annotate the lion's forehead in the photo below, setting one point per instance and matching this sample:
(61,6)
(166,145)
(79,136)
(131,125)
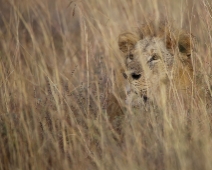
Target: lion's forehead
(149,46)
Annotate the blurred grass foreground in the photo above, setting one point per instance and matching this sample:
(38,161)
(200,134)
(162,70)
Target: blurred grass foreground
(57,64)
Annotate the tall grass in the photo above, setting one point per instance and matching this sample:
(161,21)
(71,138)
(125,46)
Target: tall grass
(57,76)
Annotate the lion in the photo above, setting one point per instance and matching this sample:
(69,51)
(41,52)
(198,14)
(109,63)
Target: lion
(159,75)
(158,62)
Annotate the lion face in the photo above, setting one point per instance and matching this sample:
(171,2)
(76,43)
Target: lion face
(148,65)
(151,62)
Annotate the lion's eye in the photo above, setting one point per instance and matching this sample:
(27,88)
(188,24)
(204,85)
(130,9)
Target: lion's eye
(188,55)
(125,75)
(131,56)
(135,76)
(154,57)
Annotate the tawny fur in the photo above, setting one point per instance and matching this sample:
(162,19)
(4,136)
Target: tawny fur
(172,42)
(179,76)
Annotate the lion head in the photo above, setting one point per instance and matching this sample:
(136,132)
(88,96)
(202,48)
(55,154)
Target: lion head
(156,56)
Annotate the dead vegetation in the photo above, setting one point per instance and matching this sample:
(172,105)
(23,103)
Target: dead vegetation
(57,76)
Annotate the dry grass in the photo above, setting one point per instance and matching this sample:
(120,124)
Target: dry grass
(57,60)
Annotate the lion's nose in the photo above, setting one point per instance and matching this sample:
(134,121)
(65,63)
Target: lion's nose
(135,76)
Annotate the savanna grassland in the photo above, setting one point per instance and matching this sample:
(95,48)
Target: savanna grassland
(57,64)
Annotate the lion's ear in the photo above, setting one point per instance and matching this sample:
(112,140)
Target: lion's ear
(184,43)
(127,41)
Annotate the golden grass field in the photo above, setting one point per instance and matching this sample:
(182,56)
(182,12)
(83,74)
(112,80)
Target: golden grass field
(56,71)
